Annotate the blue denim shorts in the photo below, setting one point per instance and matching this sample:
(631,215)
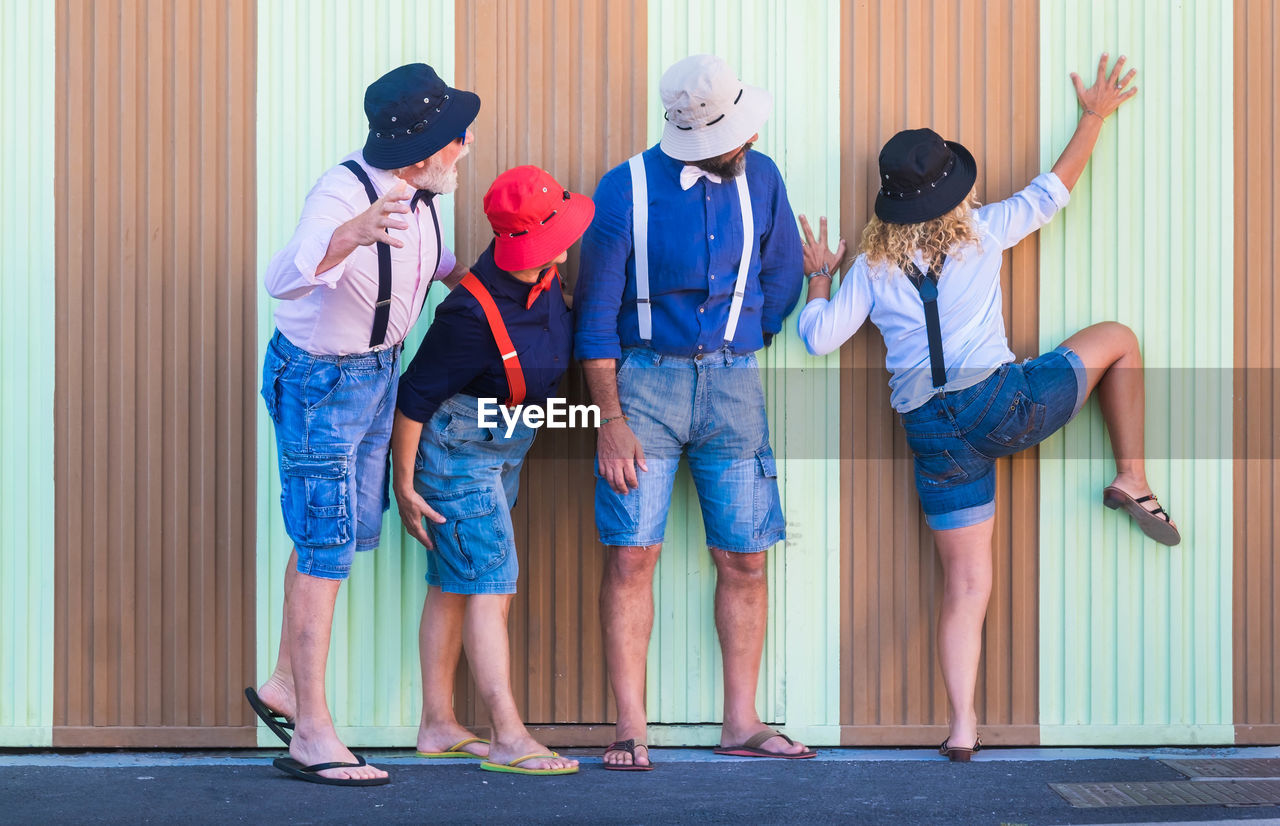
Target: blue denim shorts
(711,409)
(333,417)
(471,475)
(957,437)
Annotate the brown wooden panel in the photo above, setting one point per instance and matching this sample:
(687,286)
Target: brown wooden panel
(563,86)
(1256,623)
(968,69)
(154,423)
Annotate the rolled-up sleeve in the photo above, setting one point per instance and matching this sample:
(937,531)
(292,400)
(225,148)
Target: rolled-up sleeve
(329,205)
(602,274)
(449,357)
(781,260)
(1016,217)
(825,325)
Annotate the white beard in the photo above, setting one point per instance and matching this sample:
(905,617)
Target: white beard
(435,176)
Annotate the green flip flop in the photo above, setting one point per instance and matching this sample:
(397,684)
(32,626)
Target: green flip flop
(514,766)
(456,750)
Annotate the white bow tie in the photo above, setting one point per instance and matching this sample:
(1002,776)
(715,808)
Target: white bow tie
(690,175)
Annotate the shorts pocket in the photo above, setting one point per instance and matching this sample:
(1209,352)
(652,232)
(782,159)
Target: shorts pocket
(323,381)
(463,430)
(314,497)
(1021,424)
(472,539)
(273,367)
(766,504)
(937,468)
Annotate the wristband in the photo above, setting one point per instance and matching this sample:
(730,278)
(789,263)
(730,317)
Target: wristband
(1095,114)
(824,272)
(619,417)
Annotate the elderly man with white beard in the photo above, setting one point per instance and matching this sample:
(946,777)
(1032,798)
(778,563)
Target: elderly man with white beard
(352,280)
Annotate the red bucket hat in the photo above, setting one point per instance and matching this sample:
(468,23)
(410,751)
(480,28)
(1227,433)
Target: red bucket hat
(534,219)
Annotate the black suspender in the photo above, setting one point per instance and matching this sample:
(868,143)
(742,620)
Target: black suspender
(927,284)
(382,309)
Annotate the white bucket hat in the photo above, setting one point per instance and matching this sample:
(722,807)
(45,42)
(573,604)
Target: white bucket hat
(709,110)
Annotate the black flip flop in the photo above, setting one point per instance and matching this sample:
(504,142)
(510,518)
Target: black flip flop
(629,746)
(311,774)
(278,723)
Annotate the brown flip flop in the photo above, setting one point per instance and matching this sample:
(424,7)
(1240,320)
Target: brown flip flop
(956,754)
(1154,523)
(629,746)
(752,748)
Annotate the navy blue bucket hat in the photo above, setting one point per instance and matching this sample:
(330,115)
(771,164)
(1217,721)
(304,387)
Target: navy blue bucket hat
(413,114)
(922,177)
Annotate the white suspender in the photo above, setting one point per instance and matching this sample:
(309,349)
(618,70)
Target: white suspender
(748,234)
(640,238)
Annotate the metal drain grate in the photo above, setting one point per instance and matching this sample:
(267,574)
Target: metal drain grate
(1174,793)
(1227,767)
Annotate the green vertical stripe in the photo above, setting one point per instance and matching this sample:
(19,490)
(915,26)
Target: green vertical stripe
(1136,637)
(793,50)
(26,373)
(315,58)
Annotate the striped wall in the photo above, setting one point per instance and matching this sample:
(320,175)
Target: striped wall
(783,48)
(1257,354)
(310,115)
(26,374)
(1135,637)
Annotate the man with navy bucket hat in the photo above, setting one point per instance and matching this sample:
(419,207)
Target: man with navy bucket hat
(352,281)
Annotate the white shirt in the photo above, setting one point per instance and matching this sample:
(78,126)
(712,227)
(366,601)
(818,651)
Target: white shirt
(332,313)
(969,302)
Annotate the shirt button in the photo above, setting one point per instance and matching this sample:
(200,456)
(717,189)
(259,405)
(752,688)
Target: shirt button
(702,309)
(712,237)
(708,197)
(713,278)
(546,329)
(699,346)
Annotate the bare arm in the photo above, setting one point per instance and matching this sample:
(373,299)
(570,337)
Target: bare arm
(1098,101)
(404,447)
(618,451)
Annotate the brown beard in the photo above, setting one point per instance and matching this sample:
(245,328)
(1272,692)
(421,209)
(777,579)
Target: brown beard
(726,166)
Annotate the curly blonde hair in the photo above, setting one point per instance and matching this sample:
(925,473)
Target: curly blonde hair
(892,245)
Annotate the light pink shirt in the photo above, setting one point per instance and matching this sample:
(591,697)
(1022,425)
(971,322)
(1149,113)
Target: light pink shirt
(332,313)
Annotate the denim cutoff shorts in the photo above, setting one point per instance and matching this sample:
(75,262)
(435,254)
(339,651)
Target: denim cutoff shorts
(471,476)
(711,409)
(333,417)
(956,437)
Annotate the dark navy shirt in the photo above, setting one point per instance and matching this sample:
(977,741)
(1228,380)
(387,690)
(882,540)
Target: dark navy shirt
(695,244)
(459,354)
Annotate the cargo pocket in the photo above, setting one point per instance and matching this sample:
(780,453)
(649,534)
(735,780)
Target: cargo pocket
(314,497)
(937,468)
(766,504)
(1021,423)
(471,540)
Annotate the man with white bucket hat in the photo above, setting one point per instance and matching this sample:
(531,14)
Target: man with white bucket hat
(673,299)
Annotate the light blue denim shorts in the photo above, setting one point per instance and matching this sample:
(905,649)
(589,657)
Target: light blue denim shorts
(333,417)
(957,437)
(711,409)
(471,476)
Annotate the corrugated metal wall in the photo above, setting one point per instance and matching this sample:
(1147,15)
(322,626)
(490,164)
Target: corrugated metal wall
(155,201)
(971,75)
(1136,638)
(310,115)
(563,86)
(1257,353)
(793,51)
(26,373)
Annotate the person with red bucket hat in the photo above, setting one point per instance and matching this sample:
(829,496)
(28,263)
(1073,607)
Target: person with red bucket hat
(504,336)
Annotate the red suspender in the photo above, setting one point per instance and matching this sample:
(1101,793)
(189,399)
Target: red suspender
(510,361)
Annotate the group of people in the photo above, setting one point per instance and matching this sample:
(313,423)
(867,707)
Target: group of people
(690,263)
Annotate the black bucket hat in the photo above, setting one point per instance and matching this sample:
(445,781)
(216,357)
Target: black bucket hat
(922,177)
(413,114)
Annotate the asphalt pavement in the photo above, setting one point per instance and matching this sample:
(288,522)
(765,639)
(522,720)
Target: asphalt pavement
(888,786)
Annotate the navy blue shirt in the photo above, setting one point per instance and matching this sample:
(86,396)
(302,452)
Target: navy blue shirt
(695,244)
(459,354)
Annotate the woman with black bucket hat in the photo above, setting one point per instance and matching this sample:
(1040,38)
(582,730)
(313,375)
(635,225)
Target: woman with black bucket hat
(928,276)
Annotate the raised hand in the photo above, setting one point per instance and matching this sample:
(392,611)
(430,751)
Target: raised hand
(370,226)
(817,256)
(1108,90)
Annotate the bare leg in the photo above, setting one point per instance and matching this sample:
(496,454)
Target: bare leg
(742,614)
(439,647)
(488,651)
(626,614)
(310,622)
(277,691)
(966,566)
(1113,363)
